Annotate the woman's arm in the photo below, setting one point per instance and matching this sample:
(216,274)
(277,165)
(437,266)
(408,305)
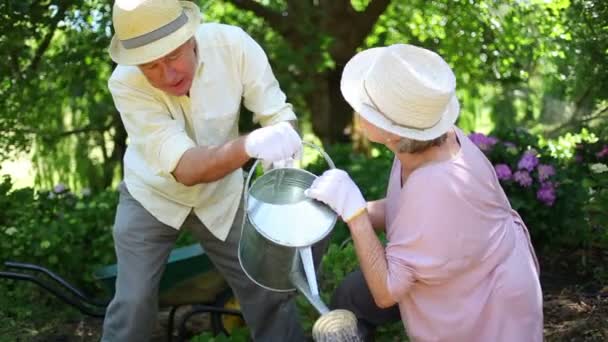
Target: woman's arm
(376,210)
(372,257)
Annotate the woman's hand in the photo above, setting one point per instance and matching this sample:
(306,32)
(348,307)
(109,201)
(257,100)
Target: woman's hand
(336,189)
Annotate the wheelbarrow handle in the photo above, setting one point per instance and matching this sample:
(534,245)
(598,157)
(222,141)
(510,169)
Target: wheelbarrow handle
(54,291)
(72,289)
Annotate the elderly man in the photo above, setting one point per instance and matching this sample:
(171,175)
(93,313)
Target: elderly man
(178,87)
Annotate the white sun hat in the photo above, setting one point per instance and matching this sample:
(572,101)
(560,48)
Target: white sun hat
(149,29)
(403,89)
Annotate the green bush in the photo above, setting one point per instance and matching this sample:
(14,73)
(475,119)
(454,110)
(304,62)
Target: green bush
(238,335)
(66,232)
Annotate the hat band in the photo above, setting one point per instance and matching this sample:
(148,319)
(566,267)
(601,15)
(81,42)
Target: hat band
(377,108)
(157,34)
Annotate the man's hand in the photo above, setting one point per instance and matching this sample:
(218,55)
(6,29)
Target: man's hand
(274,143)
(336,189)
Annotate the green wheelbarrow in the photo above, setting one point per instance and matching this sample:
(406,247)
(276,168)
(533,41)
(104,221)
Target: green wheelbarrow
(189,279)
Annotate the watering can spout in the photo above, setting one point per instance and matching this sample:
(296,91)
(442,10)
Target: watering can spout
(298,280)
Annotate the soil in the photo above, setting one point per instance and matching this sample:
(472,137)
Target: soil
(575,308)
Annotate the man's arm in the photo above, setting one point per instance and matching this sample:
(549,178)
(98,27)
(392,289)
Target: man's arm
(202,164)
(208,164)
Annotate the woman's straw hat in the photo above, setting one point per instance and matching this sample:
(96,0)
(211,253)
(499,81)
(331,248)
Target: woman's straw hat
(403,89)
(149,29)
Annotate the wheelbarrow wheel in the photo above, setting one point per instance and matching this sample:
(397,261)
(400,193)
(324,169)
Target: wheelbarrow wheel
(217,311)
(226,323)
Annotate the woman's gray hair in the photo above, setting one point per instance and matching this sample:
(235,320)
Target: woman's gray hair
(406,145)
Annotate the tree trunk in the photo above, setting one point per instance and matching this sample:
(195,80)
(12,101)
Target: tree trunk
(305,25)
(119,140)
(330,113)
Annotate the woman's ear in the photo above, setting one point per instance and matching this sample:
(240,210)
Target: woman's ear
(391,138)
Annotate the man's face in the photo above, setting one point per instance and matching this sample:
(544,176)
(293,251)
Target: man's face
(173,73)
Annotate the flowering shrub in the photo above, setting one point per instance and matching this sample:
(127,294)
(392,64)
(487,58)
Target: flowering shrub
(554,185)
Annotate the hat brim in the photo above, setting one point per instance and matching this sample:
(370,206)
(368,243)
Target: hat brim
(161,47)
(352,89)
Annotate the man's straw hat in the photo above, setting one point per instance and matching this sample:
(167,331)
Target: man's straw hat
(149,29)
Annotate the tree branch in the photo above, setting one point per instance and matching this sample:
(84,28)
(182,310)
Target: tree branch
(367,19)
(46,41)
(576,120)
(347,38)
(85,129)
(16,67)
(274,19)
(594,115)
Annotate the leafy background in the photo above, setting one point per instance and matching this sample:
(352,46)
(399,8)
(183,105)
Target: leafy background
(532,78)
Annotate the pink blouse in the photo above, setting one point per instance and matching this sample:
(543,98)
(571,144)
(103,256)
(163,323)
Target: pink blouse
(460,262)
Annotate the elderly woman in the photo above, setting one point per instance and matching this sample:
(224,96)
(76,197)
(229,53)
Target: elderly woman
(458,260)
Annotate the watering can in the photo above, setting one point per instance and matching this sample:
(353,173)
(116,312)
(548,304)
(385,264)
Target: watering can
(280,226)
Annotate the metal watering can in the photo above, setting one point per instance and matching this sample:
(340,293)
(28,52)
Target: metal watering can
(280,226)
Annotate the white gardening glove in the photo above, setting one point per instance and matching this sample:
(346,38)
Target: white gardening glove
(280,164)
(274,143)
(339,192)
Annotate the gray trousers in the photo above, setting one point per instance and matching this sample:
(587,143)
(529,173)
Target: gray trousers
(354,295)
(143,245)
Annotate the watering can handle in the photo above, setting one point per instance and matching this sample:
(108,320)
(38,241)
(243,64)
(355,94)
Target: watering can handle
(255,164)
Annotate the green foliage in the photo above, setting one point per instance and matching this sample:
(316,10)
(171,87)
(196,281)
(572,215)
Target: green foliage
(539,64)
(525,63)
(53,91)
(66,232)
(237,335)
(30,321)
(534,64)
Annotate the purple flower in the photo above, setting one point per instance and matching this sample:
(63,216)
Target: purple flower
(546,193)
(578,158)
(59,188)
(485,143)
(545,171)
(528,161)
(523,178)
(603,152)
(503,171)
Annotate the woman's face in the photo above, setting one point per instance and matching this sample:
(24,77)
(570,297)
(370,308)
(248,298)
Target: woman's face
(174,72)
(373,133)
